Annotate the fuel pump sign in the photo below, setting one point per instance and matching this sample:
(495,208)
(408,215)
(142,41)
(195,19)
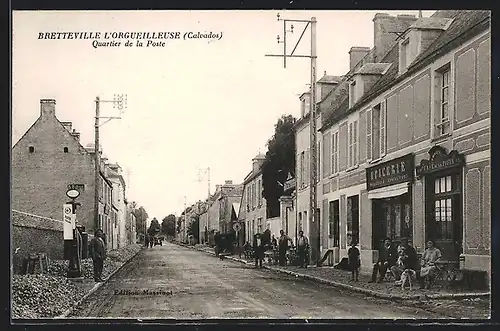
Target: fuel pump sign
(69,221)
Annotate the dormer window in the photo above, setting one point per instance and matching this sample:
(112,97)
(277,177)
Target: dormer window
(404,54)
(352,94)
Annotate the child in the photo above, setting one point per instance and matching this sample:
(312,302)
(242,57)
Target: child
(354,260)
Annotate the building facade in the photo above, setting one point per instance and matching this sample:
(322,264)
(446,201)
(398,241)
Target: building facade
(46,160)
(252,208)
(114,174)
(406,144)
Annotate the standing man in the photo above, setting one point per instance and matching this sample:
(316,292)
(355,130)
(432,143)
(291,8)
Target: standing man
(98,253)
(283,247)
(258,245)
(302,247)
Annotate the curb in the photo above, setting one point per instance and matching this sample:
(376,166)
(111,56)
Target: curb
(95,288)
(362,290)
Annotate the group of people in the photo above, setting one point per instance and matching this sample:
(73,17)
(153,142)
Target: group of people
(282,244)
(398,259)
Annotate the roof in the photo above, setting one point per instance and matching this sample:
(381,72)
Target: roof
(329,79)
(373,69)
(465,24)
(431,23)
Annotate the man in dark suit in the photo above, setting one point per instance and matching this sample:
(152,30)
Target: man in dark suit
(258,245)
(98,254)
(387,258)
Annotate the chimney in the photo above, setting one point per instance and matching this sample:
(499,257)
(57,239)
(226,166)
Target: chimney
(386,29)
(68,126)
(47,107)
(76,135)
(356,54)
(228,182)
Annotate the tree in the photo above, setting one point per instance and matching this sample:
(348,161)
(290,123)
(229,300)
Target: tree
(140,218)
(154,227)
(280,160)
(194,228)
(168,225)
(179,223)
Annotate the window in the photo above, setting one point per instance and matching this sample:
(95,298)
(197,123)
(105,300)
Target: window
(305,218)
(404,54)
(334,223)
(300,223)
(443,118)
(65,149)
(259,225)
(352,219)
(443,207)
(352,94)
(376,134)
(32,149)
(335,153)
(353,145)
(259,193)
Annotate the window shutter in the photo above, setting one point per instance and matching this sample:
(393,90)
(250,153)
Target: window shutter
(383,132)
(369,135)
(308,163)
(334,142)
(349,162)
(318,169)
(355,143)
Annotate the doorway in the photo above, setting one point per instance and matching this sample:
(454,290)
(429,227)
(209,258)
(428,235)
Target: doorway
(444,223)
(392,219)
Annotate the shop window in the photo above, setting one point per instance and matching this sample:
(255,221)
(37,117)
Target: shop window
(353,219)
(334,223)
(443,207)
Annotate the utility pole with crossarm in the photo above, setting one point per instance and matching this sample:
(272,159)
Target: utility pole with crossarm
(313,214)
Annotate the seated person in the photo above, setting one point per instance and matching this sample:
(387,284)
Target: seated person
(407,259)
(387,258)
(428,267)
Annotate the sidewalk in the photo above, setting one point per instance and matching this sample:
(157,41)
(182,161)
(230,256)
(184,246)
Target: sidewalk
(342,279)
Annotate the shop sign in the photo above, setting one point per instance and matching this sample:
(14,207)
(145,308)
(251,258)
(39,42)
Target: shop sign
(439,160)
(290,183)
(392,172)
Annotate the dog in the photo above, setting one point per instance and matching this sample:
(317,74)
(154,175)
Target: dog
(407,277)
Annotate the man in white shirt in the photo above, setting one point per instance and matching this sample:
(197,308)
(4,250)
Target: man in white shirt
(302,247)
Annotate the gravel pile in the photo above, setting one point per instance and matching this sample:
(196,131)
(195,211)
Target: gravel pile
(42,295)
(50,294)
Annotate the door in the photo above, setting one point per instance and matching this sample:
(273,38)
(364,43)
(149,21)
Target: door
(314,238)
(444,222)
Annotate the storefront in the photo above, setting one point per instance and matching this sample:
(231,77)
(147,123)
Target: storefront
(442,176)
(389,189)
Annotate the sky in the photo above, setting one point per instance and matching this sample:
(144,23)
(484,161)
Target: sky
(191,105)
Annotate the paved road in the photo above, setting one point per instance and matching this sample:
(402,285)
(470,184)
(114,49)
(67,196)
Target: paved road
(190,284)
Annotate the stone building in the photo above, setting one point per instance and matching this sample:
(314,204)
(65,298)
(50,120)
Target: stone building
(302,149)
(114,174)
(252,208)
(406,141)
(45,160)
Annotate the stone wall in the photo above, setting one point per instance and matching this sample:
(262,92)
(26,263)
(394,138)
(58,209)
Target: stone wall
(36,234)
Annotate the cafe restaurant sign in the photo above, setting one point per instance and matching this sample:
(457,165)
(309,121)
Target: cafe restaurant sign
(392,172)
(439,160)
(290,183)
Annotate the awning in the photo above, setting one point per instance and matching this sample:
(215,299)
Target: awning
(236,207)
(389,191)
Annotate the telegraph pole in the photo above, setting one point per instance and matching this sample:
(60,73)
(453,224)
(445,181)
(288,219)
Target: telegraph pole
(119,101)
(202,174)
(313,214)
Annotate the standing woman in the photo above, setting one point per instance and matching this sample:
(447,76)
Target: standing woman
(428,266)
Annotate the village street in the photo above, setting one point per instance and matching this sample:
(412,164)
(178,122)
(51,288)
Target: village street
(189,284)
